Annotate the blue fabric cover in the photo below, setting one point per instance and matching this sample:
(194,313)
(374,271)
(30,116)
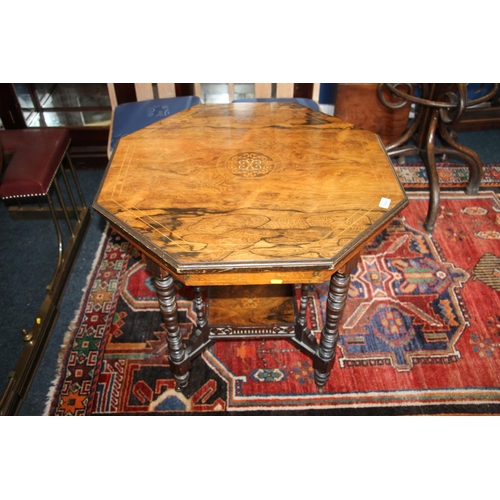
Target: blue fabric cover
(132,116)
(477,90)
(309,103)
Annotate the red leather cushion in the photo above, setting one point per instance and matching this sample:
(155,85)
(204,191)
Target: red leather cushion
(37,156)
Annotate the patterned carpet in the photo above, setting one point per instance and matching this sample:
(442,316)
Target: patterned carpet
(420,333)
(451,175)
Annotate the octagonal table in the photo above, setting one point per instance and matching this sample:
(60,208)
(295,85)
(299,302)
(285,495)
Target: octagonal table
(245,202)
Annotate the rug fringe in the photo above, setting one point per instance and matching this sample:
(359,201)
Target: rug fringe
(73,324)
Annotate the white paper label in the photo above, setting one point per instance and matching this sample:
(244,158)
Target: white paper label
(384,203)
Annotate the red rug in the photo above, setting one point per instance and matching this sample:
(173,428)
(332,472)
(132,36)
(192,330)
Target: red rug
(420,333)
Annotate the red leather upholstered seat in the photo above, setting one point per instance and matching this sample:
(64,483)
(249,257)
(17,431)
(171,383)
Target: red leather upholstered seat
(37,156)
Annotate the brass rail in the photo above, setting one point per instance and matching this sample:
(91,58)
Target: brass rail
(36,339)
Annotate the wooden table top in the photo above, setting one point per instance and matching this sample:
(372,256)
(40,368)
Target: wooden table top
(249,187)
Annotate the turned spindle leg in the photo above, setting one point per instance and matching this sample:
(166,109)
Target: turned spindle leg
(200,334)
(199,308)
(337,296)
(168,306)
(303,305)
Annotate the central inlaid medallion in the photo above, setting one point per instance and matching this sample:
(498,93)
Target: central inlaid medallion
(249,164)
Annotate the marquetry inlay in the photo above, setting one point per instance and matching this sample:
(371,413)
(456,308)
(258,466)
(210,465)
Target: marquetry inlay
(250,331)
(250,164)
(251,185)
